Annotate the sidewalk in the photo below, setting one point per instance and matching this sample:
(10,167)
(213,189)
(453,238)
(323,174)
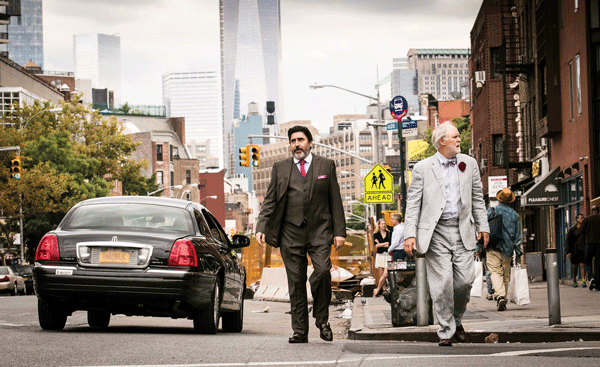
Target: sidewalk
(580,319)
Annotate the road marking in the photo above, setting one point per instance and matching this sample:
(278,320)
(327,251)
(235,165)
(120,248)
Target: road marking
(367,359)
(8,324)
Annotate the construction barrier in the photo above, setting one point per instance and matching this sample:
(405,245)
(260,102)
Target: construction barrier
(274,287)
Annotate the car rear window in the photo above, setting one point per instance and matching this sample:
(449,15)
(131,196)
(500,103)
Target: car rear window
(4,271)
(130,217)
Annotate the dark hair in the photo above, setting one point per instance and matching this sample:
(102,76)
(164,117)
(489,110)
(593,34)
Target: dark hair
(300,129)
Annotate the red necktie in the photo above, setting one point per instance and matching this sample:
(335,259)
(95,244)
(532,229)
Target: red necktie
(302,170)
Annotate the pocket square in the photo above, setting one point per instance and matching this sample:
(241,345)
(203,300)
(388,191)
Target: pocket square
(322,177)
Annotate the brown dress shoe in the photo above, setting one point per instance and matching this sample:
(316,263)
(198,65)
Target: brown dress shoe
(445,343)
(298,338)
(326,333)
(460,335)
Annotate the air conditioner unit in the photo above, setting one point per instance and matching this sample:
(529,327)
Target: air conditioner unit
(470,151)
(483,162)
(480,77)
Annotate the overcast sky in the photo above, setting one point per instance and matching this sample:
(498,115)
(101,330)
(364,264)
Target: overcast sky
(338,42)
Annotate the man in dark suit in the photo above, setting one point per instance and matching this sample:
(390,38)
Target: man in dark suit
(590,227)
(445,216)
(303,213)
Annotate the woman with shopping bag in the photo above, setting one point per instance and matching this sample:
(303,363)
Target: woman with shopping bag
(505,240)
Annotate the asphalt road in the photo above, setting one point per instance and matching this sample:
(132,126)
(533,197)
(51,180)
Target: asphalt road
(139,341)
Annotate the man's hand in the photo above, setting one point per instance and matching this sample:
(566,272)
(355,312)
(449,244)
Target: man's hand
(338,242)
(410,244)
(569,256)
(260,238)
(486,238)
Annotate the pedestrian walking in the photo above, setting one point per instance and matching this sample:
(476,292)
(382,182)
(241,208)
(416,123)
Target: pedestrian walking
(445,216)
(499,255)
(381,240)
(302,213)
(395,250)
(591,230)
(576,250)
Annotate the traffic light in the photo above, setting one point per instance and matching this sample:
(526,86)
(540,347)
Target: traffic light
(245,156)
(387,168)
(15,168)
(255,156)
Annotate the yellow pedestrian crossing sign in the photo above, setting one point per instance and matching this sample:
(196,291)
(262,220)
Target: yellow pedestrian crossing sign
(379,186)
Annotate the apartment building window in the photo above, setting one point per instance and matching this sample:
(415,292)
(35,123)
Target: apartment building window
(365,149)
(496,60)
(365,137)
(170,153)
(498,150)
(159,152)
(571,96)
(578,81)
(159,178)
(188,177)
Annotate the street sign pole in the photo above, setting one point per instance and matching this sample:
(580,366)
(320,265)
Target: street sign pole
(399,109)
(402,143)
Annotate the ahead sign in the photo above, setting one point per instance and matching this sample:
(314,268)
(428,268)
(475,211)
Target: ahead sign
(379,186)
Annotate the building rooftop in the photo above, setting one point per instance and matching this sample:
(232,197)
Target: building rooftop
(441,51)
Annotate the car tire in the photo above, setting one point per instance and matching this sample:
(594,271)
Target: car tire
(233,322)
(98,319)
(50,316)
(206,320)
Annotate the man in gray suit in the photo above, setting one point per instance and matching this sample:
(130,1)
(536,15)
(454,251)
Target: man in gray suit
(445,216)
(303,213)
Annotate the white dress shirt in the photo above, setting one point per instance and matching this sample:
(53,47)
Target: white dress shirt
(307,161)
(397,238)
(451,188)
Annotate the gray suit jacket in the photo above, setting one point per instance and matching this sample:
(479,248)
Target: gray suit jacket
(426,200)
(326,219)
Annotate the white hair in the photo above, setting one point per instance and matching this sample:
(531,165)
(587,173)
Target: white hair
(439,133)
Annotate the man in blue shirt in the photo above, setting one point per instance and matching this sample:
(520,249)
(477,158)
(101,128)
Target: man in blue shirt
(498,258)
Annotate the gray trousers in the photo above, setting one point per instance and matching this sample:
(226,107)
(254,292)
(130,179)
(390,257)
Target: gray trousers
(294,248)
(450,276)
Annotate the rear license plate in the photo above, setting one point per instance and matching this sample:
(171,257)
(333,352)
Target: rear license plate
(114,257)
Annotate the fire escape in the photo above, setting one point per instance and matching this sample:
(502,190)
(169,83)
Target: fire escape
(514,71)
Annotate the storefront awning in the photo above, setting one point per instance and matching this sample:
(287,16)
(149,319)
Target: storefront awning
(544,192)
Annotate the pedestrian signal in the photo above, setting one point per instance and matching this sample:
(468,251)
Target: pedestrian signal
(255,156)
(245,156)
(15,168)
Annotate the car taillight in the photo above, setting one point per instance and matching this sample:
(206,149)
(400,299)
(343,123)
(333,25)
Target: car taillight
(5,279)
(183,253)
(47,249)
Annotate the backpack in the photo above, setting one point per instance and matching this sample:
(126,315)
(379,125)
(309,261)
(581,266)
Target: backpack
(496,227)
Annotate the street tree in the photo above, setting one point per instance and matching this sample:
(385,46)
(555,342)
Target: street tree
(68,157)
(463,125)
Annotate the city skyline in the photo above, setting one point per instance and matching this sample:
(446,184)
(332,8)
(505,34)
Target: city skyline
(338,43)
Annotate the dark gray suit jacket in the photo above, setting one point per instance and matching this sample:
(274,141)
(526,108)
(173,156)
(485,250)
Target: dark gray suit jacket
(327,219)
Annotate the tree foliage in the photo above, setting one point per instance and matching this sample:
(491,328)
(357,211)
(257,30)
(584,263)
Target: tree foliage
(463,125)
(68,157)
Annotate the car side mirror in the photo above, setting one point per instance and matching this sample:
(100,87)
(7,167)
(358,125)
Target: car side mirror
(239,241)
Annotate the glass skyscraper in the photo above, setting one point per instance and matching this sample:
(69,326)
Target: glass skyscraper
(26,33)
(98,58)
(196,96)
(251,69)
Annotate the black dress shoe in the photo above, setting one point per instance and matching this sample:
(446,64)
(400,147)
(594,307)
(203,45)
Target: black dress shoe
(298,338)
(460,335)
(326,333)
(445,343)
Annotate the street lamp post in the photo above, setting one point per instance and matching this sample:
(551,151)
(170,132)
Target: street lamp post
(164,188)
(376,141)
(208,197)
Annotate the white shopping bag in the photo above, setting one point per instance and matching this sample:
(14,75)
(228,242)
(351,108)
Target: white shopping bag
(478,282)
(518,288)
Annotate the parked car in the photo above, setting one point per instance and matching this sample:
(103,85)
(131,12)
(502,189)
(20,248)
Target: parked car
(11,282)
(26,271)
(144,256)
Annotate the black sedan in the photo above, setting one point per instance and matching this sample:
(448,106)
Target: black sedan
(143,256)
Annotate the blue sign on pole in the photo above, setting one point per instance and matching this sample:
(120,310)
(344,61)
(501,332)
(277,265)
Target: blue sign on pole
(398,107)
